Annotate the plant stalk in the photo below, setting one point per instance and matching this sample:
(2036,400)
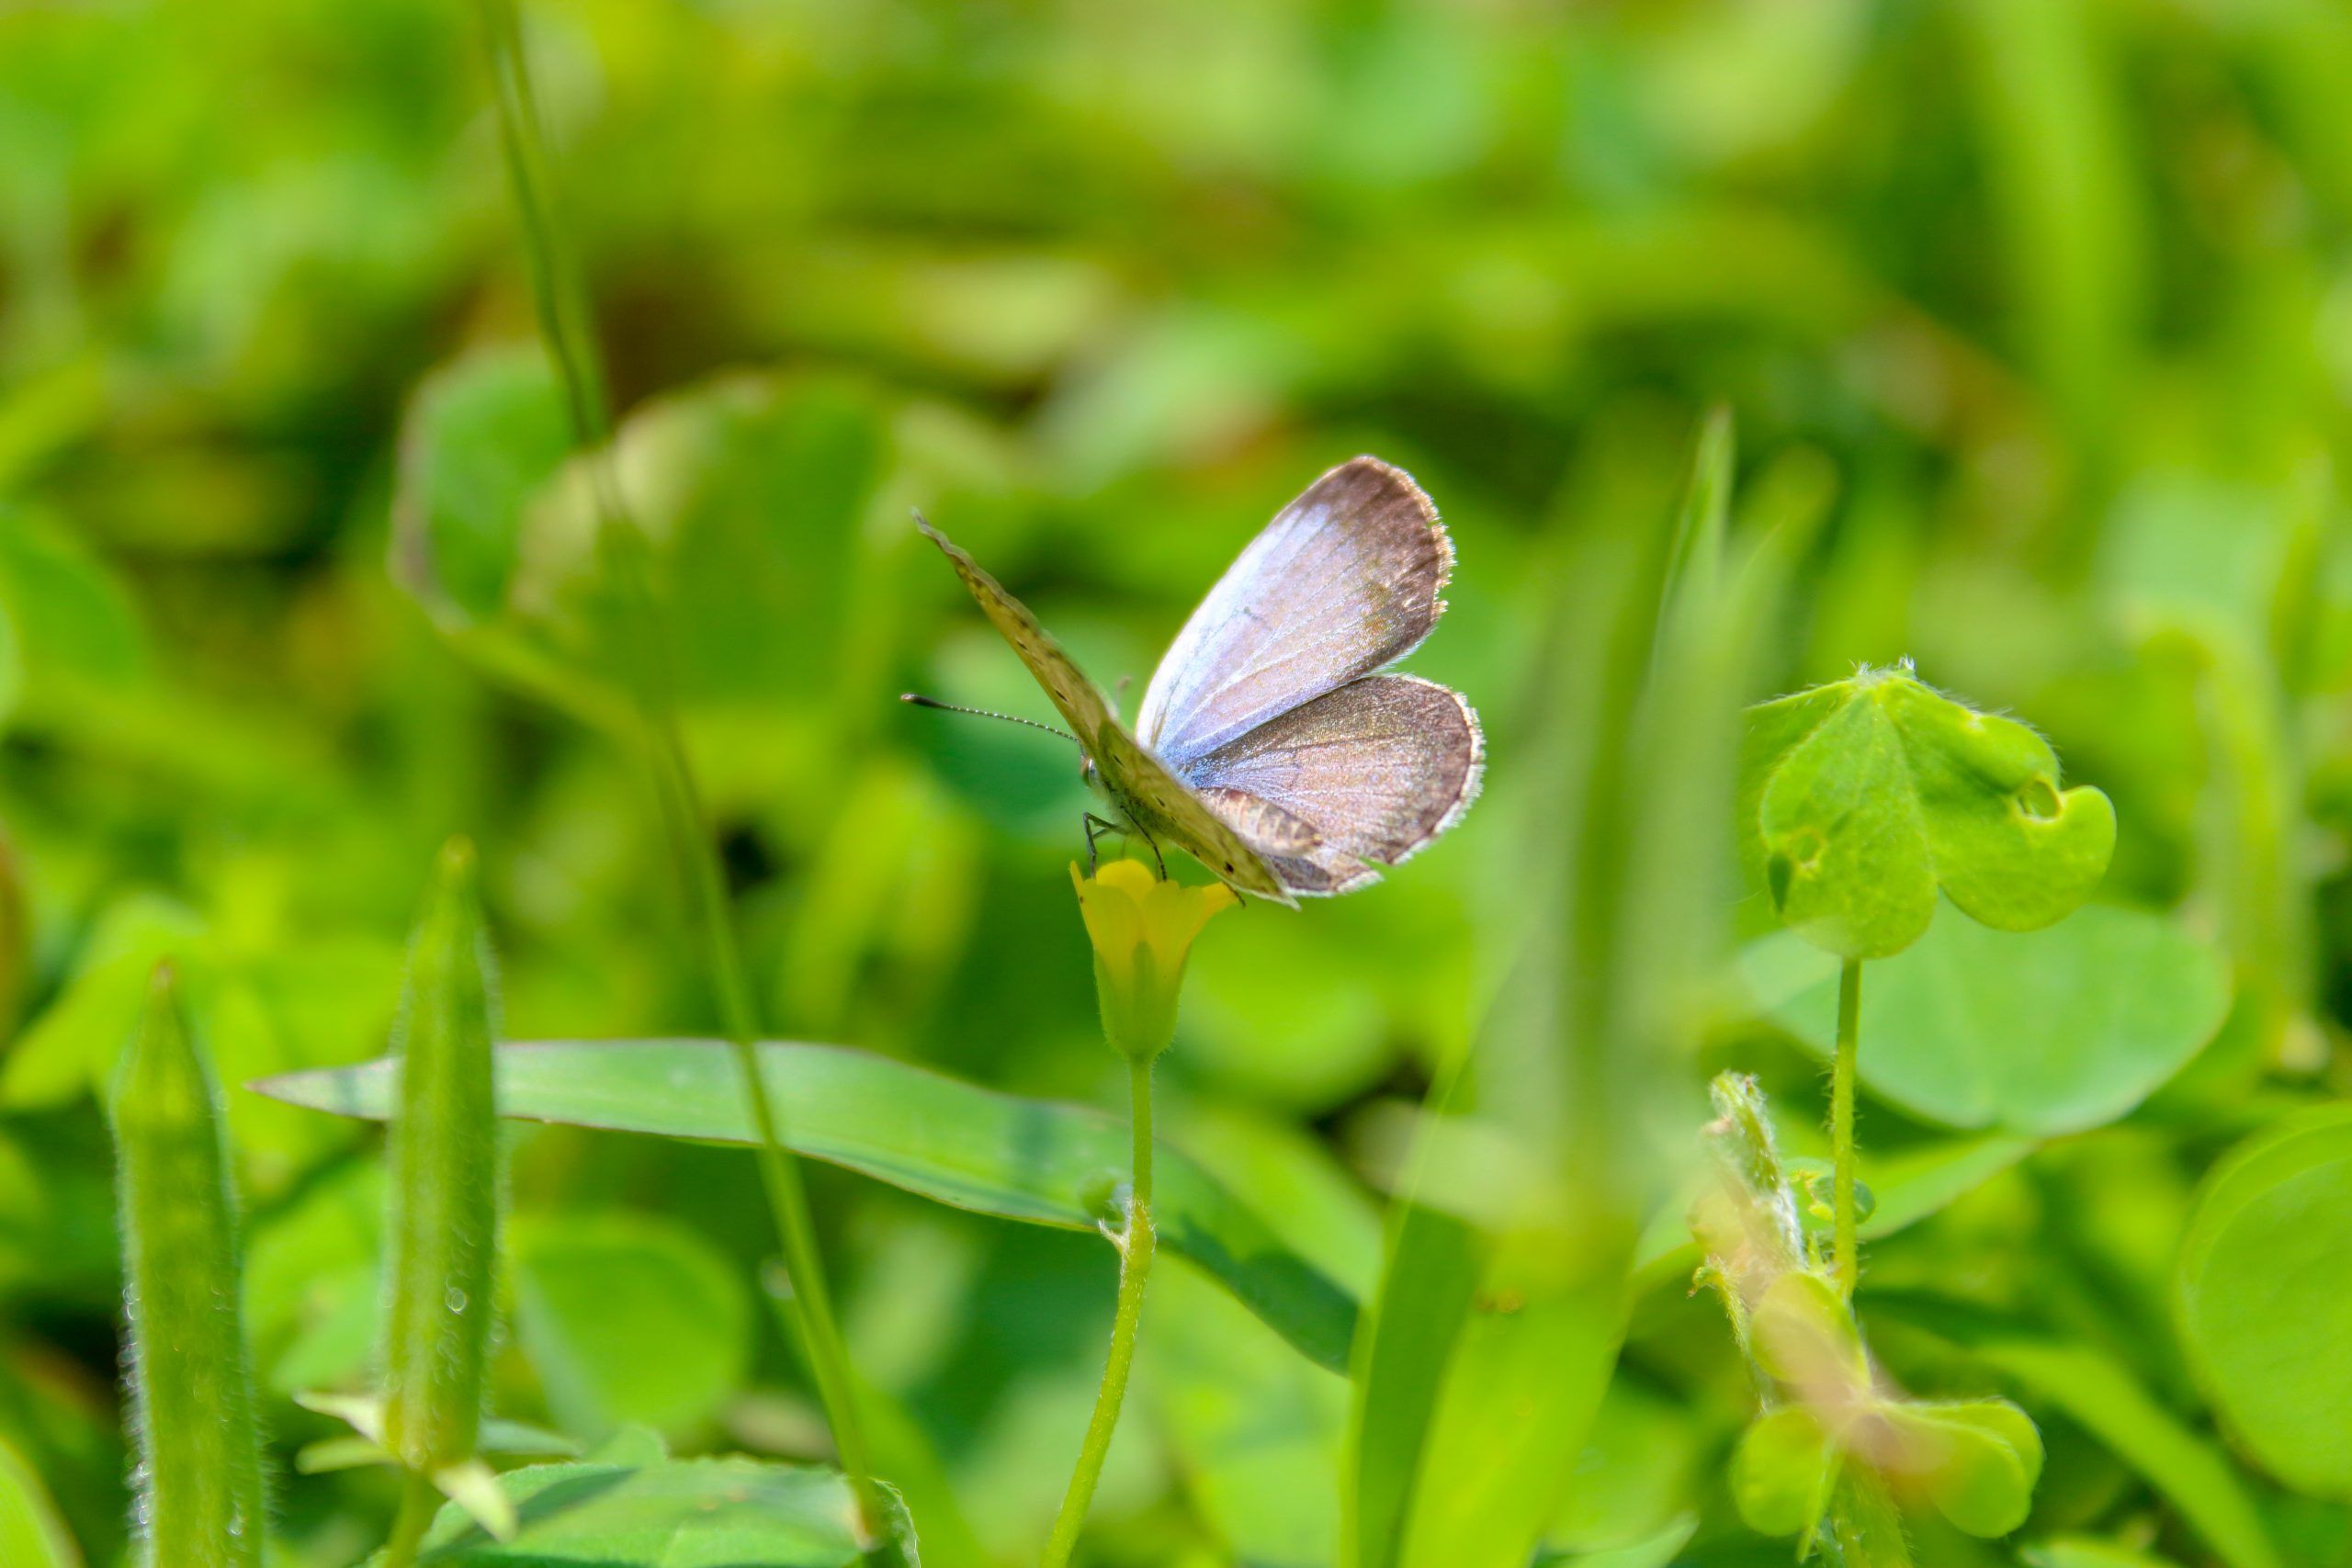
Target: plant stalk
(1841,1120)
(562,302)
(419,1502)
(1135,1250)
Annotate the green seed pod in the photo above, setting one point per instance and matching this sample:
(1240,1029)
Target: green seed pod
(444,1158)
(191,1388)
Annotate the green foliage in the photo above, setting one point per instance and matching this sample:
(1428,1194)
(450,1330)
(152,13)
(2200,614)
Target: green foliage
(592,1292)
(1449,1461)
(1782,1472)
(1860,800)
(2032,318)
(2268,1246)
(662,1511)
(201,1498)
(1021,1159)
(2042,1033)
(1978,1460)
(31,1535)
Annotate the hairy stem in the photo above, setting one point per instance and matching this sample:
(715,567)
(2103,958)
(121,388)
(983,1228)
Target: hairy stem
(1841,1120)
(564,322)
(1135,1271)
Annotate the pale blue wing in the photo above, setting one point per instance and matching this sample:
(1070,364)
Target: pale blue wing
(1358,778)
(1343,580)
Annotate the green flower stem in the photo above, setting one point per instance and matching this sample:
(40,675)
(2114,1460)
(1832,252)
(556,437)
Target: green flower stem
(1842,1119)
(419,1503)
(811,1301)
(1135,1251)
(564,322)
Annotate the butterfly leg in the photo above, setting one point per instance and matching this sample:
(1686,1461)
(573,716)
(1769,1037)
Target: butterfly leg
(1158,859)
(1095,828)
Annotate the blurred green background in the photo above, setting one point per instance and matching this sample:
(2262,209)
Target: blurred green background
(2049,302)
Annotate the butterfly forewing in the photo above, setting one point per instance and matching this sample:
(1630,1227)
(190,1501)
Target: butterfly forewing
(1345,579)
(1160,805)
(1079,701)
(1375,769)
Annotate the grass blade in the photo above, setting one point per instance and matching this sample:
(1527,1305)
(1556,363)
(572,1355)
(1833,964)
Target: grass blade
(1030,1160)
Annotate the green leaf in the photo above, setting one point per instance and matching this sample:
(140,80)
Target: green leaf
(2085,1551)
(2041,1034)
(1426,1292)
(666,1515)
(1858,799)
(1978,1460)
(1255,1429)
(483,436)
(68,629)
(78,1036)
(1783,1472)
(1637,1479)
(31,1535)
(750,492)
(2101,1396)
(593,1292)
(1021,1159)
(1694,559)
(1549,1315)
(1662,1549)
(2264,1297)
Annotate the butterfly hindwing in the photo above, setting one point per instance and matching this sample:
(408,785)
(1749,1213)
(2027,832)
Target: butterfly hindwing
(1165,808)
(1345,579)
(1370,773)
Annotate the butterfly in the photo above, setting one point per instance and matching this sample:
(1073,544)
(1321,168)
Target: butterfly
(1269,745)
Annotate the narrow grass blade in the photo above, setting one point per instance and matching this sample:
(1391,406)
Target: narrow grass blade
(443,1182)
(199,1469)
(1021,1160)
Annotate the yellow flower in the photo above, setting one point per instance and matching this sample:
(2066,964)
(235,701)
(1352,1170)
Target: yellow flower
(1142,929)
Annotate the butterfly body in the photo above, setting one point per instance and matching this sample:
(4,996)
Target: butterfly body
(1269,745)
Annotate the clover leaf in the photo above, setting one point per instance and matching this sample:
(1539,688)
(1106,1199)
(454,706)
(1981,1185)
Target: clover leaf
(1859,800)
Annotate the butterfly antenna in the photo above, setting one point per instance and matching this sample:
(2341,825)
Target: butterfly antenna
(923,702)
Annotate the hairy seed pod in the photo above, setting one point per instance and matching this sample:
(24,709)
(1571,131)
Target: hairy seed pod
(444,1161)
(191,1388)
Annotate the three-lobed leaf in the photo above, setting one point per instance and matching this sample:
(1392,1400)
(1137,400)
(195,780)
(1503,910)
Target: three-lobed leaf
(1858,799)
